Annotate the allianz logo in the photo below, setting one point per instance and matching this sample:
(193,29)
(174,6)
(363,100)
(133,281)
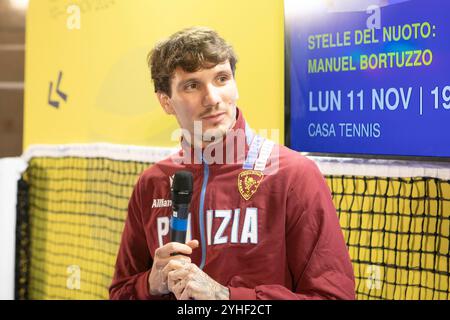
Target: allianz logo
(161,203)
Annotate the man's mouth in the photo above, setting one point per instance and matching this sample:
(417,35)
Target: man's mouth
(215,116)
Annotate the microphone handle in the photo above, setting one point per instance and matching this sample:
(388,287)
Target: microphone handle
(178,222)
(178,236)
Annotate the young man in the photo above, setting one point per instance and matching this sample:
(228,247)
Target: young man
(261,216)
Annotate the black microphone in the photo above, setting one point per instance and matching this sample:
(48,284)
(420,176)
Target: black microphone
(181,198)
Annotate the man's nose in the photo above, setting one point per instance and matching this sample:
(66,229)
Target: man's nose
(211,96)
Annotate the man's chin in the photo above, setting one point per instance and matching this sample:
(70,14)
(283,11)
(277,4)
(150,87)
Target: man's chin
(212,135)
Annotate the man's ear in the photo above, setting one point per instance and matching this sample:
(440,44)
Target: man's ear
(164,101)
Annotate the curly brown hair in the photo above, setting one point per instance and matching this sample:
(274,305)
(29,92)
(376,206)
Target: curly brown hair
(191,49)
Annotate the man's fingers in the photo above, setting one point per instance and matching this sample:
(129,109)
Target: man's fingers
(189,291)
(178,274)
(175,264)
(171,248)
(185,295)
(161,263)
(193,244)
(177,287)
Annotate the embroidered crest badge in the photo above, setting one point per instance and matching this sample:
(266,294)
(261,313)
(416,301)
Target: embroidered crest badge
(248,182)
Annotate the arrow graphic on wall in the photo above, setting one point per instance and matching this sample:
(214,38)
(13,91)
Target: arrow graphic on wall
(62,95)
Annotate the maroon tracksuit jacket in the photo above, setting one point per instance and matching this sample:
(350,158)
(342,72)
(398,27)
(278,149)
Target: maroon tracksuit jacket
(266,223)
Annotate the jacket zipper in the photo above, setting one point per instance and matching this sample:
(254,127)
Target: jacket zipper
(202,213)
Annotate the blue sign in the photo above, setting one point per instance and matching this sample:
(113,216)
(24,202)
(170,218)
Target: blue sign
(369,77)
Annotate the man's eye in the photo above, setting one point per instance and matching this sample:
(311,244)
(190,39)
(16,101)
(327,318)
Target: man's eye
(223,78)
(191,86)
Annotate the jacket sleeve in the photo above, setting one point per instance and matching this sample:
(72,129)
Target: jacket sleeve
(134,261)
(317,255)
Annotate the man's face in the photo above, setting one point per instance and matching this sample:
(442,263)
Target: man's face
(207,97)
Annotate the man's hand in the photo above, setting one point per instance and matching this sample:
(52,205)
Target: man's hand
(189,282)
(164,262)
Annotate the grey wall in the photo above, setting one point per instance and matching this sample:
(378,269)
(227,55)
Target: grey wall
(12,60)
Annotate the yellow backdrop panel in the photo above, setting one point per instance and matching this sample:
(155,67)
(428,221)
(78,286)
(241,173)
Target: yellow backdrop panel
(100,47)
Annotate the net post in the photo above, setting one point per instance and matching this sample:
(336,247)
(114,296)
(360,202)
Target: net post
(22,266)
